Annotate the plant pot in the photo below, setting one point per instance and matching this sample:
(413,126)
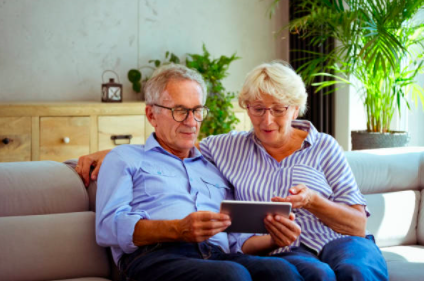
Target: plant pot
(369,140)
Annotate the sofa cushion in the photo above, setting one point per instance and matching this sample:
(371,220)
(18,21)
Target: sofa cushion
(404,262)
(43,187)
(50,247)
(393,219)
(384,170)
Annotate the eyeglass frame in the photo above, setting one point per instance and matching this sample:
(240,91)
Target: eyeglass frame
(187,111)
(271,110)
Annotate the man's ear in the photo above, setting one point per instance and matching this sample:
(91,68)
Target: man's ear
(151,116)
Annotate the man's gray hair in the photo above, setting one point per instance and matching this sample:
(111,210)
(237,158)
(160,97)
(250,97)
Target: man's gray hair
(156,85)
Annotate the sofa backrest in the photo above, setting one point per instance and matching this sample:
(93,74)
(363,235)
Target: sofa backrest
(47,231)
(388,170)
(392,181)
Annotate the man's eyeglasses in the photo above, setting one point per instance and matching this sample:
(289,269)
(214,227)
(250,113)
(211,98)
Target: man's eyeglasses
(276,111)
(180,113)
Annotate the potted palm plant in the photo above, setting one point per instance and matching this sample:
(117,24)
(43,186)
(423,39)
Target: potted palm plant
(380,42)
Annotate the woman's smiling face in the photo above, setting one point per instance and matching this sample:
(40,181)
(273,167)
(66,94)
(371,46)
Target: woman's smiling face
(270,130)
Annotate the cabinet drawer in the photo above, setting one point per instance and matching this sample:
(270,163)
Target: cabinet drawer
(63,138)
(15,139)
(130,128)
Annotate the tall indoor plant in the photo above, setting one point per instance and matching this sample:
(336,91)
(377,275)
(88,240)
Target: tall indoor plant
(377,41)
(221,118)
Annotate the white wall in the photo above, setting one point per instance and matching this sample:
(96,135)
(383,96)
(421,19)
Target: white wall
(416,120)
(415,117)
(56,50)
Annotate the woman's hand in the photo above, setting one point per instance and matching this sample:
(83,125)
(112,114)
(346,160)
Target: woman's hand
(283,231)
(301,197)
(86,162)
(342,218)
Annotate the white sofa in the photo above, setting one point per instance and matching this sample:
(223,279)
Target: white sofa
(47,228)
(393,183)
(47,218)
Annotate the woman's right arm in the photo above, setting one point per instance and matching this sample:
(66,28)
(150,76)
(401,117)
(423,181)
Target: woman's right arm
(86,162)
(91,160)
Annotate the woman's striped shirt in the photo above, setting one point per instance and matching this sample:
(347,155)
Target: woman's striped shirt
(319,164)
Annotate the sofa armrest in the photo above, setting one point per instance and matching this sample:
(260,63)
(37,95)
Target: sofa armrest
(92,187)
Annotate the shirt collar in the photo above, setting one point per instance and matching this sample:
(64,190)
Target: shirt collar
(298,124)
(153,144)
(308,127)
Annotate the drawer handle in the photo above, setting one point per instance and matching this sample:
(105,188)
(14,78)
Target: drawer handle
(121,137)
(66,140)
(6,140)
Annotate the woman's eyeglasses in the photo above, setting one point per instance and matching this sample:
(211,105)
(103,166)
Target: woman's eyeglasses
(276,111)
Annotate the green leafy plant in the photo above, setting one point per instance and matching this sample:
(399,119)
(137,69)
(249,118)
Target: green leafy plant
(221,118)
(380,42)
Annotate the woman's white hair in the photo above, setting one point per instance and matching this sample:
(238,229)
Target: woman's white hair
(277,79)
(156,85)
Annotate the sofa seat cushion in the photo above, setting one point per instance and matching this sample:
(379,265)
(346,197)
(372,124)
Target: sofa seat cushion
(51,247)
(404,262)
(394,216)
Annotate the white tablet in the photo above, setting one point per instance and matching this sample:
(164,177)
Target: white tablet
(248,216)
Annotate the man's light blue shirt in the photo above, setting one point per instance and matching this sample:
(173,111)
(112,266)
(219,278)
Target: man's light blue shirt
(147,182)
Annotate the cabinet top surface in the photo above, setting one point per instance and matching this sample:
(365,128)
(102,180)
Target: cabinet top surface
(69,103)
(76,108)
(70,108)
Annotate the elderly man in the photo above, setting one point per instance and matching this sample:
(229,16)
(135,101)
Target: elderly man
(158,203)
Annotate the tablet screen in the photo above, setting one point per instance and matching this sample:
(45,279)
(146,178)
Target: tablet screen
(248,216)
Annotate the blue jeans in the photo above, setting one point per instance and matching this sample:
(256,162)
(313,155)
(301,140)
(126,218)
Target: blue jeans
(203,262)
(348,258)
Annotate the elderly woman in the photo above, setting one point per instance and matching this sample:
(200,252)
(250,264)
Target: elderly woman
(287,160)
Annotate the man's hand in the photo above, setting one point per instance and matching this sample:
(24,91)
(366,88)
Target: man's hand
(86,162)
(283,231)
(202,225)
(194,228)
(301,197)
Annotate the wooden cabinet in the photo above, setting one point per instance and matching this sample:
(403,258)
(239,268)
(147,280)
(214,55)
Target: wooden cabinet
(15,139)
(115,130)
(64,138)
(62,131)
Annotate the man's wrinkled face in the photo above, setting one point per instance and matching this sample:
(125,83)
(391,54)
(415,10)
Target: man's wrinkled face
(176,137)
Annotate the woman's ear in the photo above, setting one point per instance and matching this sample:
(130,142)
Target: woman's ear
(296,113)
